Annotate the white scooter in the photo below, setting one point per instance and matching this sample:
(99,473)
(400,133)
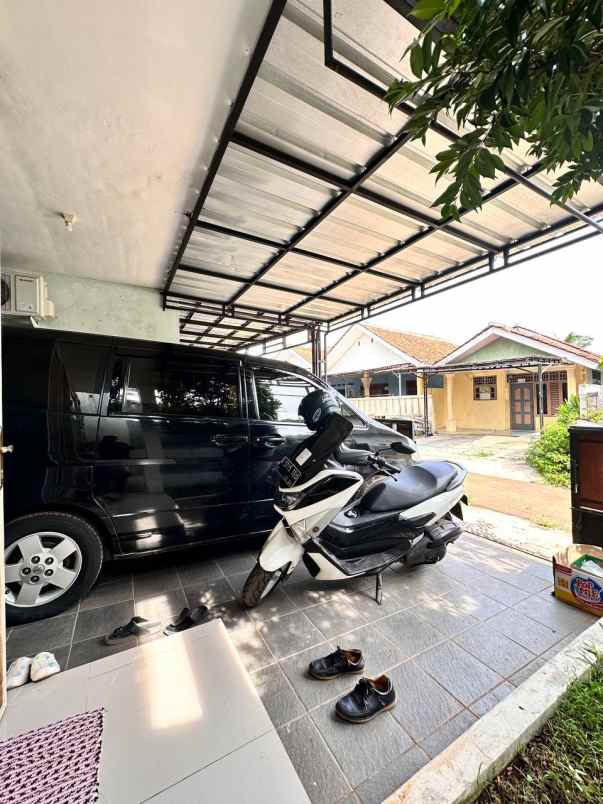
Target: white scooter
(345,525)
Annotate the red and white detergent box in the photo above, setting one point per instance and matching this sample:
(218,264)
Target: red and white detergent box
(579,577)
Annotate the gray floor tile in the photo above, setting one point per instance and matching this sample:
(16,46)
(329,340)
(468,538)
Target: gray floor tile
(311,691)
(319,773)
(209,593)
(252,649)
(361,751)
(521,675)
(277,694)
(32,638)
(555,614)
(380,654)
(289,634)
(149,583)
(411,634)
(414,584)
(445,615)
(447,734)
(494,649)
(351,798)
(532,635)
(235,562)
(423,705)
(476,580)
(530,582)
(276,603)
(198,571)
(89,650)
(490,699)
(101,621)
(458,672)
(105,594)
(378,787)
(363,599)
(475,604)
(336,617)
(304,591)
(163,606)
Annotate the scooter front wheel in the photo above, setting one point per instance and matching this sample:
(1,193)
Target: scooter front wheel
(259,585)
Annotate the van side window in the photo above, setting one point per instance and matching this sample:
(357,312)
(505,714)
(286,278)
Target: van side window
(76,378)
(159,386)
(279,395)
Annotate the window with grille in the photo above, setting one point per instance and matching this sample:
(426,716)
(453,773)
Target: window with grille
(484,388)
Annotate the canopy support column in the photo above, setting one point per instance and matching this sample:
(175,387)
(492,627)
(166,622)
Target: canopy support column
(541,398)
(426,406)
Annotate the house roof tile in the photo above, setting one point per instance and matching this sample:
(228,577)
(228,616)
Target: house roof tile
(424,348)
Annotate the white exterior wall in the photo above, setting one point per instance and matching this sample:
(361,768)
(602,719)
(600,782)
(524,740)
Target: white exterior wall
(108,308)
(364,352)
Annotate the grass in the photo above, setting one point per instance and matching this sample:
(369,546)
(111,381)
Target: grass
(482,453)
(544,522)
(564,763)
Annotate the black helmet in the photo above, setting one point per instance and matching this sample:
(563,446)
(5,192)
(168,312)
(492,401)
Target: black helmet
(316,407)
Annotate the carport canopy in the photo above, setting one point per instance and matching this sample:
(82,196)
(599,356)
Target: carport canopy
(316,209)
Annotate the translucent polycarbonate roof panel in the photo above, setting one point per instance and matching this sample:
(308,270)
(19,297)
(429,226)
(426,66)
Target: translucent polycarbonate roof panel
(321,209)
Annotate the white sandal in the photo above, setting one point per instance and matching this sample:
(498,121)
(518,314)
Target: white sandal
(18,673)
(43,666)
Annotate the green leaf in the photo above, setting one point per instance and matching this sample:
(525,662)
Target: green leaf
(588,141)
(427,9)
(416,60)
(546,29)
(426,50)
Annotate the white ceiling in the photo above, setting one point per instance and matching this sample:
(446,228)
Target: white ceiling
(109,110)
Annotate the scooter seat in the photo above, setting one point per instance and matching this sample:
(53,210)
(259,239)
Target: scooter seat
(413,485)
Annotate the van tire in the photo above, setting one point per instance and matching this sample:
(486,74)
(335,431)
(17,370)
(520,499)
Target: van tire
(258,585)
(90,560)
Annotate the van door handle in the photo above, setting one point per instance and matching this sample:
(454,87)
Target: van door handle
(225,440)
(269,441)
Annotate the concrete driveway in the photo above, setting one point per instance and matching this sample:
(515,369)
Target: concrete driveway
(494,455)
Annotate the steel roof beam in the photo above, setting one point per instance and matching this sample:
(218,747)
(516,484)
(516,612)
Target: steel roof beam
(243,311)
(192,269)
(272,19)
(350,266)
(362,192)
(378,91)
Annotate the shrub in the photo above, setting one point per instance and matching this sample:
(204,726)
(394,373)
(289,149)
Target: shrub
(550,454)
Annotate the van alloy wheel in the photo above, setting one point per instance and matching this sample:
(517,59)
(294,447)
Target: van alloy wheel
(40,568)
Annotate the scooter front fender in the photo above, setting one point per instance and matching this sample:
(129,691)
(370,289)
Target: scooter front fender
(280,549)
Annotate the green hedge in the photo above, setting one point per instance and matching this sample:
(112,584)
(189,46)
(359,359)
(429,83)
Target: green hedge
(550,454)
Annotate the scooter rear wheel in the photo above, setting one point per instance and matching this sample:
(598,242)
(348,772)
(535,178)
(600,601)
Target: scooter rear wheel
(259,585)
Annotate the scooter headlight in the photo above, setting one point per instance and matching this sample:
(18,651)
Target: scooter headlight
(286,500)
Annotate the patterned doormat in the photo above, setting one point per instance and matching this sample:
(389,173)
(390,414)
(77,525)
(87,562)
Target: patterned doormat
(57,764)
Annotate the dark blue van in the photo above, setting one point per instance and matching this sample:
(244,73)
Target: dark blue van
(124,448)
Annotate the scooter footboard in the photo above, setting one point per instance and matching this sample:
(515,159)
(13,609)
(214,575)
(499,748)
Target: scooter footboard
(280,549)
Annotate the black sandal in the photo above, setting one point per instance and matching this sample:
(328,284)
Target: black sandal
(187,619)
(137,626)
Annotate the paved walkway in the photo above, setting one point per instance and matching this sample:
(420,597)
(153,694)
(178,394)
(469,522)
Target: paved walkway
(515,532)
(486,454)
(455,639)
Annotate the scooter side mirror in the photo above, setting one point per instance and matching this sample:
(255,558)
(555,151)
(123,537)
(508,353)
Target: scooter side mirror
(403,447)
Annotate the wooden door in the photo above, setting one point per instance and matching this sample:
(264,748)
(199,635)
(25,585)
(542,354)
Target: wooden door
(522,406)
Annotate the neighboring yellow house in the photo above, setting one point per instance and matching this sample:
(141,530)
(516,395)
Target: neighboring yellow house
(507,399)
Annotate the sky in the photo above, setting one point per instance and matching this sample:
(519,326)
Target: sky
(554,294)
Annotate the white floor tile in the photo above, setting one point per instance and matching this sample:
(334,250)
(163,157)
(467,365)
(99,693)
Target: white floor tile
(172,712)
(258,772)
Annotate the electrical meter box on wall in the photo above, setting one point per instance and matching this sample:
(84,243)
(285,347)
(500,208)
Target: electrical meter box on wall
(25,295)
(579,577)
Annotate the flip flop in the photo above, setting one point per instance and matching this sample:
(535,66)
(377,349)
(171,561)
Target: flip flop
(137,626)
(18,672)
(43,666)
(187,619)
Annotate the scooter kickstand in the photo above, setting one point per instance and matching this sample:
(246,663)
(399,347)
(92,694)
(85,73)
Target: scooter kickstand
(378,588)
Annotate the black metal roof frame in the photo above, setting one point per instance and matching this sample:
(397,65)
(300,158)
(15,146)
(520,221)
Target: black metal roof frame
(291,321)
(484,365)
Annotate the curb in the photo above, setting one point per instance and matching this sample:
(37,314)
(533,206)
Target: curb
(461,772)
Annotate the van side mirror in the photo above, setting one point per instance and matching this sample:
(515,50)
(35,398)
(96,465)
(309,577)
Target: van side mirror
(403,447)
